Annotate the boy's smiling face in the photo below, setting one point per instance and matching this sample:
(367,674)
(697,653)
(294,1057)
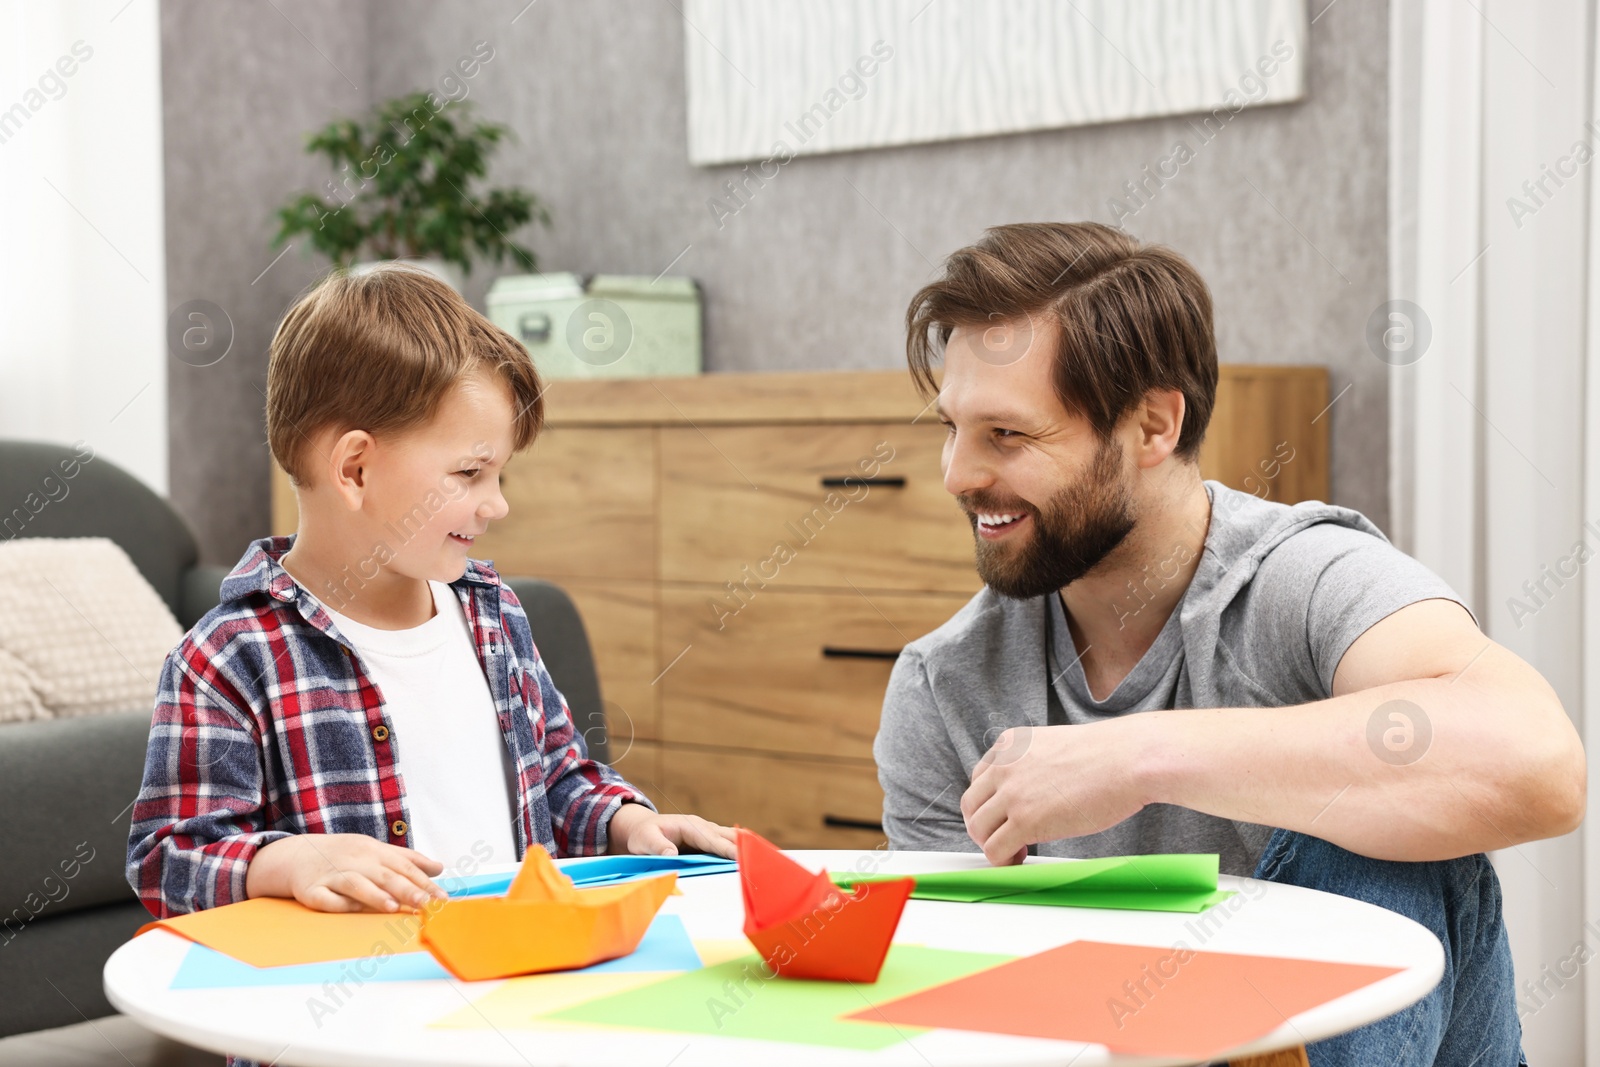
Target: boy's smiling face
(388,512)
(432,490)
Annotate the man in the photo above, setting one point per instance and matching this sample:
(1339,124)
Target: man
(1161,664)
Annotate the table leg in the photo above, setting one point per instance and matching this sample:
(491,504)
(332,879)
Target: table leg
(1289,1057)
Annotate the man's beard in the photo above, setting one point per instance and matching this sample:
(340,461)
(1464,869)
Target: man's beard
(1072,533)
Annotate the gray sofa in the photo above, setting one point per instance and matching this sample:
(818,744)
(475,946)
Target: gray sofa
(67,786)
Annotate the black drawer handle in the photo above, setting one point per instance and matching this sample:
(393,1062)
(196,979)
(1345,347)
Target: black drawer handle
(840,822)
(896,482)
(860,653)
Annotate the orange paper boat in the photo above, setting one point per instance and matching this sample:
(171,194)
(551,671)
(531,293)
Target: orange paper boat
(804,926)
(543,923)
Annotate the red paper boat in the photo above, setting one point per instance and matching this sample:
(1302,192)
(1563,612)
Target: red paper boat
(804,926)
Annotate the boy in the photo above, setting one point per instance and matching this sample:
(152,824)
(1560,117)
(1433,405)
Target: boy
(365,708)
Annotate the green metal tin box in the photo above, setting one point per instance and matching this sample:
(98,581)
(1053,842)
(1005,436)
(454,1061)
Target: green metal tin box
(615,326)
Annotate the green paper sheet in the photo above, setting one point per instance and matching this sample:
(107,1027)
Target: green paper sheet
(739,999)
(1166,882)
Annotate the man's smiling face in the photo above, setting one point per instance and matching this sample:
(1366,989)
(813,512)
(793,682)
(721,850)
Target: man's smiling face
(1047,498)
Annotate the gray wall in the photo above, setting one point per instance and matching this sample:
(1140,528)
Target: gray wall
(240,86)
(1284,212)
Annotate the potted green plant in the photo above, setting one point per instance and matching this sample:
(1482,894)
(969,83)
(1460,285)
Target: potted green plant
(403,188)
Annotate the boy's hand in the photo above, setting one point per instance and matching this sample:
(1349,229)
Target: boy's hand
(343,872)
(637,830)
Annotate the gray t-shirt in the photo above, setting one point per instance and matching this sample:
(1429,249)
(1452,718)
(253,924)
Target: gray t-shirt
(1278,596)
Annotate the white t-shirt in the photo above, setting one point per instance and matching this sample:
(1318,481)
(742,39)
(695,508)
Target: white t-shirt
(455,766)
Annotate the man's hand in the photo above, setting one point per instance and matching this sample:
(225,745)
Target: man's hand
(1044,783)
(637,830)
(343,872)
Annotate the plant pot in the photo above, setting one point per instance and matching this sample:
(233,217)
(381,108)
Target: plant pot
(448,273)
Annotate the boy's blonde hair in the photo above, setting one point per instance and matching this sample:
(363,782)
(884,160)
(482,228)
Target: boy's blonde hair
(379,351)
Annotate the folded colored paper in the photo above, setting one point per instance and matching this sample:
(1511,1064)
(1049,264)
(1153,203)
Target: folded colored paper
(543,923)
(1166,882)
(804,926)
(599,870)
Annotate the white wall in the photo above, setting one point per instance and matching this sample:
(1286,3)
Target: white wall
(82,263)
(1495,466)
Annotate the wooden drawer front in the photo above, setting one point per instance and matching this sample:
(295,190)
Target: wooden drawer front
(795,803)
(640,764)
(790,672)
(285,508)
(620,618)
(582,505)
(1269,433)
(732,495)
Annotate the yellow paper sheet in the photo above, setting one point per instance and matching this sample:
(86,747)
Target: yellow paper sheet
(516,1001)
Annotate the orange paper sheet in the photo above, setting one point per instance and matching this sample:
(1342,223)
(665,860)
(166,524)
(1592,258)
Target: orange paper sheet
(272,932)
(1135,1000)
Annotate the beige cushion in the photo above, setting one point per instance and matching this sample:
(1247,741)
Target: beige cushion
(19,695)
(81,631)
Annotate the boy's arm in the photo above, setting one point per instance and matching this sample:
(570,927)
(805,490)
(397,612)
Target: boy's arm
(583,794)
(198,819)
(593,809)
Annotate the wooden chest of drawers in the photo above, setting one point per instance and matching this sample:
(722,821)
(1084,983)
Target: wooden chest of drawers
(750,552)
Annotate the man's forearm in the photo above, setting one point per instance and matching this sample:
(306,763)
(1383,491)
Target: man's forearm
(1459,768)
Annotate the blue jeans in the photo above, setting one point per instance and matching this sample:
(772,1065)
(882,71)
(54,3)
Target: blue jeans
(1470,1017)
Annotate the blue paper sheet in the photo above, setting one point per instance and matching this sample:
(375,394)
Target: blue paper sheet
(664,947)
(599,870)
(205,968)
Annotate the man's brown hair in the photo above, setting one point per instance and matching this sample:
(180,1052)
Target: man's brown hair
(379,351)
(1133,317)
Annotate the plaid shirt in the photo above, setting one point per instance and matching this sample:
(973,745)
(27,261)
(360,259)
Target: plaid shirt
(265,725)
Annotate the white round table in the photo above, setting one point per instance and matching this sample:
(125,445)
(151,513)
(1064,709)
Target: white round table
(387,1022)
